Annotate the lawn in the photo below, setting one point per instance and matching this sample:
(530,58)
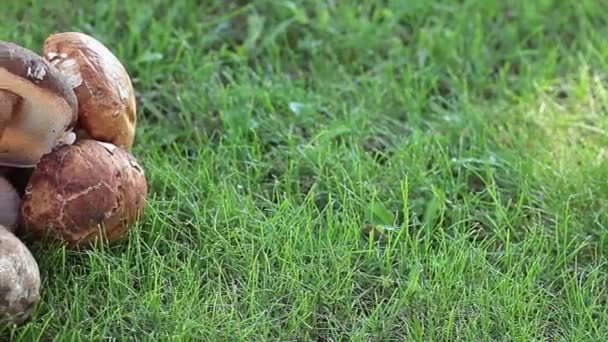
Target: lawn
(332,170)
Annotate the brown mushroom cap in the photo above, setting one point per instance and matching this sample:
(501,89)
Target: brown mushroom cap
(106,99)
(84,191)
(38,107)
(19,280)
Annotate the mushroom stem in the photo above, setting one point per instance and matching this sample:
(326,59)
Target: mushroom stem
(9,102)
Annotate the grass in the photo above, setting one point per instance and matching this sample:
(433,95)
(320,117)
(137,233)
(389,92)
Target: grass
(362,170)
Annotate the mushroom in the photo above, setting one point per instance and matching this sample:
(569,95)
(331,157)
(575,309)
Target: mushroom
(19,280)
(9,204)
(8,101)
(106,99)
(38,108)
(84,192)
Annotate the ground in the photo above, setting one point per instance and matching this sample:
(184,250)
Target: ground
(369,170)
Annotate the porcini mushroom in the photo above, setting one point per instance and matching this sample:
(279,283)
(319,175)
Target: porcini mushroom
(19,280)
(106,99)
(38,107)
(84,192)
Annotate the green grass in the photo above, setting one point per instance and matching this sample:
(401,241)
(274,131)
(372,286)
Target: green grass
(363,170)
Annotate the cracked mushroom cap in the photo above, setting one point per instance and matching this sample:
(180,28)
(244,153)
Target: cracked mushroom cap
(106,99)
(38,108)
(19,280)
(82,192)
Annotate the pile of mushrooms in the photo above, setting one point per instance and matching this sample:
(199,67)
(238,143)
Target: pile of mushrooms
(67,125)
